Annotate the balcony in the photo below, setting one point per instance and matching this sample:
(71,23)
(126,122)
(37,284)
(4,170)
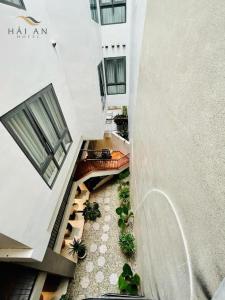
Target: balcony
(95,161)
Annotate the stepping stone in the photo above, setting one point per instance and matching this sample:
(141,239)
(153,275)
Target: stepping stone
(93,248)
(84,282)
(101,261)
(105,237)
(107,218)
(106,228)
(113,279)
(99,277)
(89,267)
(103,249)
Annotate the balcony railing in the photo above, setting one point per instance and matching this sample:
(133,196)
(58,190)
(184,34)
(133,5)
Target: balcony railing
(100,160)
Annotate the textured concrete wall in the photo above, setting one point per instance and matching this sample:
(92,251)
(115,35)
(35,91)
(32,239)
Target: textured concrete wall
(178,163)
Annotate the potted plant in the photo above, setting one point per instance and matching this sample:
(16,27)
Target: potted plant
(128,282)
(78,247)
(91,211)
(124,215)
(127,243)
(72,216)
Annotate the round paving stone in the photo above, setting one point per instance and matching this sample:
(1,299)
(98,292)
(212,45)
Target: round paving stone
(107,207)
(93,248)
(84,282)
(106,228)
(107,218)
(89,267)
(105,237)
(113,279)
(101,261)
(99,277)
(103,249)
(96,226)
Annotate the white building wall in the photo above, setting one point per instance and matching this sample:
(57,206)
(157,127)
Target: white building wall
(119,34)
(27,66)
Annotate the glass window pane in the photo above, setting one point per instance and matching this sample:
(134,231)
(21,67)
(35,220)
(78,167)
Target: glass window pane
(50,173)
(110,71)
(94,12)
(45,123)
(17,2)
(112,89)
(66,141)
(120,70)
(120,14)
(55,112)
(121,89)
(59,155)
(27,136)
(107,15)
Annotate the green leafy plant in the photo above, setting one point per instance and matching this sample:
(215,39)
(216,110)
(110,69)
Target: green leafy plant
(77,247)
(124,195)
(124,174)
(124,216)
(91,211)
(127,243)
(123,184)
(64,297)
(128,282)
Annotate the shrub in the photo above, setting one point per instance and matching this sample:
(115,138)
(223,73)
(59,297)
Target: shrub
(128,282)
(124,174)
(91,211)
(124,214)
(127,243)
(124,193)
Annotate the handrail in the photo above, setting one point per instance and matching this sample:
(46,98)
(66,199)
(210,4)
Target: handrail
(100,164)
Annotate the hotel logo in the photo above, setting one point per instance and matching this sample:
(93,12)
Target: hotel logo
(34,30)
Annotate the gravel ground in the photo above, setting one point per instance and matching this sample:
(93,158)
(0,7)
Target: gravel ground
(99,272)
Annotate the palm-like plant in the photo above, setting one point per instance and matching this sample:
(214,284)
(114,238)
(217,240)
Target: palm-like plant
(77,247)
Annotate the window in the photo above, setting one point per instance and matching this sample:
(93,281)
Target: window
(102,84)
(16,3)
(94,10)
(39,128)
(115,70)
(112,11)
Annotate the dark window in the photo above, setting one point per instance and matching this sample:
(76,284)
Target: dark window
(16,3)
(39,128)
(94,10)
(102,84)
(112,11)
(115,70)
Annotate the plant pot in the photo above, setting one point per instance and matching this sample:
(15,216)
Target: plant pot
(82,256)
(63,244)
(67,233)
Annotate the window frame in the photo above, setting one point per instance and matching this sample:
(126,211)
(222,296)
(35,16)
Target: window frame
(22,6)
(102,84)
(96,8)
(50,150)
(115,84)
(112,5)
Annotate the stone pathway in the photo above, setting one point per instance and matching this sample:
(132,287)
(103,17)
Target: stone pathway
(98,273)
